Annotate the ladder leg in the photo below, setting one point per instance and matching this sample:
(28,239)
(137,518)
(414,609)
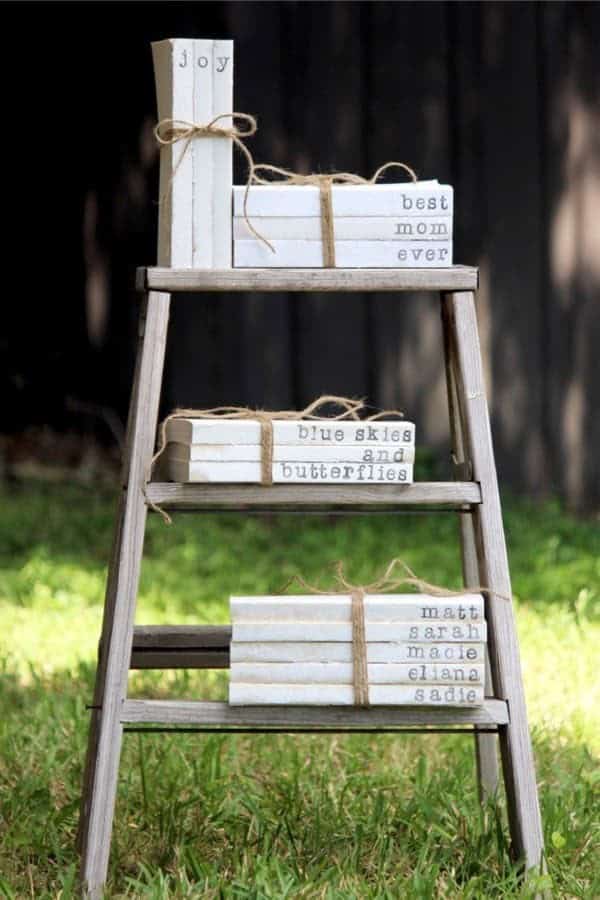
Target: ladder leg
(515,741)
(102,762)
(486,755)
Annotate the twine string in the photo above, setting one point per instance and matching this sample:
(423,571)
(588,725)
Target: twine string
(170,131)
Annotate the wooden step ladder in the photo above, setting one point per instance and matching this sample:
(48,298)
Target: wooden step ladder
(474,495)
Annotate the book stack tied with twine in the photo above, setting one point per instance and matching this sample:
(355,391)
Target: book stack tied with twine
(240,445)
(342,220)
(358,646)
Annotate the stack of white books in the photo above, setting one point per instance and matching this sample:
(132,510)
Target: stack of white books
(379,226)
(316,451)
(422,650)
(194,83)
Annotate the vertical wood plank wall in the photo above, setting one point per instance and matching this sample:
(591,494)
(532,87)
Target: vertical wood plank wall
(502,99)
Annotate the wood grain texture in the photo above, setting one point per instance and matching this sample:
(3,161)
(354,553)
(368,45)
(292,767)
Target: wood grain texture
(102,765)
(515,741)
(279,496)
(486,748)
(454,278)
(179,659)
(172,712)
(200,637)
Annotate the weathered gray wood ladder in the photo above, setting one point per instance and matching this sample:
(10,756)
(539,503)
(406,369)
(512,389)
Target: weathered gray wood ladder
(475,497)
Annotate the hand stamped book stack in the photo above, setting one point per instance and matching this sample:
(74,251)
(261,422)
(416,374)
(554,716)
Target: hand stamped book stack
(421,650)
(194,83)
(324,451)
(375,225)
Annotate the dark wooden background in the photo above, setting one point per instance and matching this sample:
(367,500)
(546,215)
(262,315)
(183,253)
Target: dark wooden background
(500,99)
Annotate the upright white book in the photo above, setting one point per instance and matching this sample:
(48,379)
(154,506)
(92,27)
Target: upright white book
(194,83)
(174,77)
(222,156)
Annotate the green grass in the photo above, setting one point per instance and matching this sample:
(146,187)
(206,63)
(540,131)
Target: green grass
(282,816)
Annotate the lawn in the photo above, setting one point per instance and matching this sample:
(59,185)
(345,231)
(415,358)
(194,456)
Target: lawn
(282,816)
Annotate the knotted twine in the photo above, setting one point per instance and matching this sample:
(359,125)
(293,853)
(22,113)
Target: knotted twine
(349,409)
(169,131)
(386,583)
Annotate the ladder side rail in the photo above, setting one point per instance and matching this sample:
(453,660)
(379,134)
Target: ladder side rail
(486,755)
(100,782)
(515,741)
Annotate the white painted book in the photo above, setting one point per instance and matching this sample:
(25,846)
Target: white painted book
(289,472)
(421,649)
(390,608)
(342,673)
(245,694)
(329,652)
(417,632)
(423,198)
(348,228)
(194,83)
(344,452)
(320,432)
(348,254)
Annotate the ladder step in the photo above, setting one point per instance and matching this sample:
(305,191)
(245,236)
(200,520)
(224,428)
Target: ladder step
(205,713)
(454,278)
(357,497)
(181,647)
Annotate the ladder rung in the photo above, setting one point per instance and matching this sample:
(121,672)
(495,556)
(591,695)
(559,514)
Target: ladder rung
(207,713)
(359,497)
(181,647)
(454,278)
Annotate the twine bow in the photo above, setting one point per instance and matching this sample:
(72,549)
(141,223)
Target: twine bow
(169,131)
(386,583)
(348,409)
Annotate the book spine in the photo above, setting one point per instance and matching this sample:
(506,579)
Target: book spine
(383,652)
(406,632)
(202,152)
(348,200)
(386,453)
(300,432)
(349,228)
(342,473)
(174,78)
(348,254)
(223,155)
(386,608)
(343,695)
(290,472)
(342,673)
